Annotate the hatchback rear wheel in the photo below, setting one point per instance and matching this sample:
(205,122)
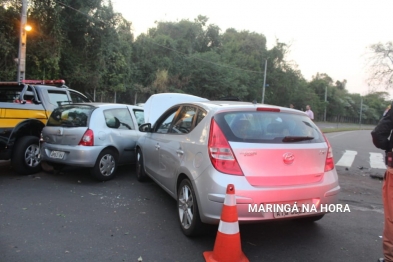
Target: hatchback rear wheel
(190,221)
(106,165)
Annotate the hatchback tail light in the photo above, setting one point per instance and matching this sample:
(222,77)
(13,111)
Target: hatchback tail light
(87,138)
(220,152)
(329,163)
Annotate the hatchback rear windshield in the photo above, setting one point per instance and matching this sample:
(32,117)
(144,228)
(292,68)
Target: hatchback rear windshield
(71,116)
(268,127)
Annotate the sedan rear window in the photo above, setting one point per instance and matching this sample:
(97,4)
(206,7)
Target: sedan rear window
(268,127)
(71,116)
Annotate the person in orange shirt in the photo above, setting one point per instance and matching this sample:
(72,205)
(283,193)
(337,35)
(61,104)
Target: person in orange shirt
(380,136)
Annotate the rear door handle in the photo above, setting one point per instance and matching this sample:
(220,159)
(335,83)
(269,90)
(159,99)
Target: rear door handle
(157,146)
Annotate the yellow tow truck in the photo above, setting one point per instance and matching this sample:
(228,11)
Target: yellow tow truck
(24,110)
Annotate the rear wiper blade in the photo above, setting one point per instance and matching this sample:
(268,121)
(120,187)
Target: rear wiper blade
(297,138)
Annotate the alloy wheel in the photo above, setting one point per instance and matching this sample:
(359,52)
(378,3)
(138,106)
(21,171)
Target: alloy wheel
(32,155)
(186,207)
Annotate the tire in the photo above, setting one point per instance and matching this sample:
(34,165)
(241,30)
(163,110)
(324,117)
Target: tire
(106,165)
(140,167)
(190,221)
(309,219)
(26,155)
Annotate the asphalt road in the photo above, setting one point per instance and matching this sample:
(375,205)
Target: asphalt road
(71,217)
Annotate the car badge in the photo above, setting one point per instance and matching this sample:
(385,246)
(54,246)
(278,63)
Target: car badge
(288,158)
(249,153)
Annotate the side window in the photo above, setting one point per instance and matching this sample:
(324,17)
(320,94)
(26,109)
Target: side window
(119,118)
(140,116)
(183,123)
(163,126)
(77,98)
(58,98)
(200,115)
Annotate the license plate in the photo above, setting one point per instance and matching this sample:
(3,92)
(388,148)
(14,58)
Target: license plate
(57,154)
(293,209)
(293,212)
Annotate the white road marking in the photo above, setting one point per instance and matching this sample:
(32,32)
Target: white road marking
(347,158)
(338,134)
(377,160)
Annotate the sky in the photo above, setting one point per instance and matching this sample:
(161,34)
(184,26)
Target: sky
(324,36)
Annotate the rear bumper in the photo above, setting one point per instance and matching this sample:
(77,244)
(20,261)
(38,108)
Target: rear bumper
(83,156)
(252,201)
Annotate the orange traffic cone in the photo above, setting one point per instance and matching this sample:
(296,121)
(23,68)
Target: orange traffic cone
(227,247)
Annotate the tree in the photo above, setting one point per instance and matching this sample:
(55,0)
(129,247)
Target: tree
(9,39)
(381,65)
(90,46)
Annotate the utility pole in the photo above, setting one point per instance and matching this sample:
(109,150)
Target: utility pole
(264,83)
(324,114)
(361,109)
(22,43)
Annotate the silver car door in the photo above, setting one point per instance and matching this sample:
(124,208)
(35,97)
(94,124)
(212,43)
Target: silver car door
(154,141)
(172,147)
(124,134)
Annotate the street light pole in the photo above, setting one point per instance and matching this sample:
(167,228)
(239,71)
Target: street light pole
(361,111)
(324,114)
(22,43)
(264,83)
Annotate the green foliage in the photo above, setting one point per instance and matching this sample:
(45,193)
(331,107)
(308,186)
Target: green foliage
(9,39)
(93,49)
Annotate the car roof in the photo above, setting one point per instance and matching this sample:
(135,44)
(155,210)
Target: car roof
(225,105)
(103,105)
(163,101)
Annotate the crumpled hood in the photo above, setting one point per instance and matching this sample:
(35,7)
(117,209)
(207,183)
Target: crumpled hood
(157,104)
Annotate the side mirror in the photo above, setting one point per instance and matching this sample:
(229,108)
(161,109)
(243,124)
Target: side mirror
(146,128)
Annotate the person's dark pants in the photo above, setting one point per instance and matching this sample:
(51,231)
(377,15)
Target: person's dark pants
(387,195)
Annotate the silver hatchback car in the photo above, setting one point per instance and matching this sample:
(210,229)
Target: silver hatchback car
(92,135)
(274,156)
